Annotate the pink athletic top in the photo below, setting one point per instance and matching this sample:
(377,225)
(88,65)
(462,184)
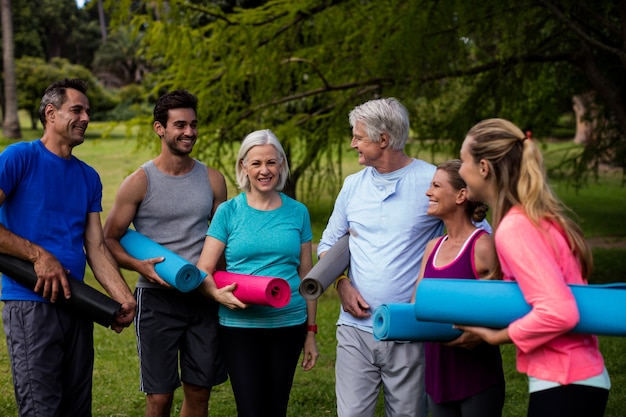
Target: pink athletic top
(540,260)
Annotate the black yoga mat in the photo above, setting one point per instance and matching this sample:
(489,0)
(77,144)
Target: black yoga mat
(85,300)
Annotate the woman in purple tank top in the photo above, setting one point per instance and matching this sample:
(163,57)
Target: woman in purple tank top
(463,377)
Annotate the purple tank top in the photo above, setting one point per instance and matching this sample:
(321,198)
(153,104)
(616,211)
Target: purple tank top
(454,374)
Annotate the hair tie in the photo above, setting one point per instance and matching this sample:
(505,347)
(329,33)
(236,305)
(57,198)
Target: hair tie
(528,136)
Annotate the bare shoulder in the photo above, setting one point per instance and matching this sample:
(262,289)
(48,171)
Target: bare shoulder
(484,255)
(215,175)
(430,246)
(134,186)
(485,243)
(218,184)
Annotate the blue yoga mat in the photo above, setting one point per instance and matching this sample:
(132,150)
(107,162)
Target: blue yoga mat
(397,322)
(496,304)
(174,270)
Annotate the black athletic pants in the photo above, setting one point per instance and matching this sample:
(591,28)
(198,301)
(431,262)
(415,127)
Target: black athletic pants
(261,365)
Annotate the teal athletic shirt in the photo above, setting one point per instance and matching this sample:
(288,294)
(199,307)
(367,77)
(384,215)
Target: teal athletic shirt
(264,243)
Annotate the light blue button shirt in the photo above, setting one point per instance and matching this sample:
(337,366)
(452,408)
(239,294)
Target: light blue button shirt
(389,230)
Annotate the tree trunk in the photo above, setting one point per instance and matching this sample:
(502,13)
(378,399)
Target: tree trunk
(103,25)
(11,123)
(34,119)
(584,126)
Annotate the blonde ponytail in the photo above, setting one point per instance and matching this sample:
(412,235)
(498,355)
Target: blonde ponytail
(520,180)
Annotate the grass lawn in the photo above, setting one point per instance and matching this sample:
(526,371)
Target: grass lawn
(116,392)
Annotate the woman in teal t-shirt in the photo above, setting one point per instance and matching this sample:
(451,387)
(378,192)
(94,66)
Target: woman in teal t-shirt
(265,233)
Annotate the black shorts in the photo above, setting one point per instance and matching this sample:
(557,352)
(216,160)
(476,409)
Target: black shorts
(170,323)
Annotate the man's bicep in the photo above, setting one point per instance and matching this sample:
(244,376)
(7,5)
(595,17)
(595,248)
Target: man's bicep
(218,186)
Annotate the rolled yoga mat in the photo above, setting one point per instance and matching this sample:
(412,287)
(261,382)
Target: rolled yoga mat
(254,289)
(326,270)
(85,300)
(175,270)
(397,321)
(496,304)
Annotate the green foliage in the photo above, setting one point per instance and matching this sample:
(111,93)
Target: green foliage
(54,28)
(299,67)
(34,75)
(118,61)
(131,103)
(27,42)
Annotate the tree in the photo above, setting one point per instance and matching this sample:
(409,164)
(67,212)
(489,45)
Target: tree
(11,123)
(35,74)
(103,22)
(299,67)
(118,62)
(56,28)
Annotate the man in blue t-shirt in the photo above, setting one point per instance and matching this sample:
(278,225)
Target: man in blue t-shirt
(50,204)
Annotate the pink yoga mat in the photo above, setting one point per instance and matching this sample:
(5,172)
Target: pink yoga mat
(253,289)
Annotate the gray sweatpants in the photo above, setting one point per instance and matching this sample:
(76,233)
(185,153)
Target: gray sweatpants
(364,365)
(51,356)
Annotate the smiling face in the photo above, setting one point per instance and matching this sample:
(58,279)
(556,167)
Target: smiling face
(70,121)
(442,196)
(181,132)
(369,152)
(262,166)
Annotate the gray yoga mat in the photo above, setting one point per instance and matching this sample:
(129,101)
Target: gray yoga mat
(326,270)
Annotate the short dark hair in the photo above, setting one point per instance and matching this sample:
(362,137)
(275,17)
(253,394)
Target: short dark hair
(56,94)
(177,99)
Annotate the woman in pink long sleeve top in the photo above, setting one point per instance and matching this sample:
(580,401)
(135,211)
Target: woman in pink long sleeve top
(541,249)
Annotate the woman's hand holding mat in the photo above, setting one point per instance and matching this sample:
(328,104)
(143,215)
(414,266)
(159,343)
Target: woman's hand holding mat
(174,269)
(253,289)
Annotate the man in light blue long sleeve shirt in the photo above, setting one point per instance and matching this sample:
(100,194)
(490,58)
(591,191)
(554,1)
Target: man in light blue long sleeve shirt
(383,208)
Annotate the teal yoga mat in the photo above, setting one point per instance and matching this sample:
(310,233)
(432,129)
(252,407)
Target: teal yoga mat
(174,270)
(496,304)
(326,270)
(396,321)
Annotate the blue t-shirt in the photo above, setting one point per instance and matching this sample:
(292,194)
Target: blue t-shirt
(47,202)
(264,243)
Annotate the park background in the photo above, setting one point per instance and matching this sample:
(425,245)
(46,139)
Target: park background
(556,68)
(599,207)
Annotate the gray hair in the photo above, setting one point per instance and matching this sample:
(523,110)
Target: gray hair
(56,94)
(385,115)
(256,138)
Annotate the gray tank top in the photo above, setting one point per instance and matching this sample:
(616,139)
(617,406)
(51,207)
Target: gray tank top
(175,212)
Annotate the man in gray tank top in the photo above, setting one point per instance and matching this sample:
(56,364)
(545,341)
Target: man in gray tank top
(171,200)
